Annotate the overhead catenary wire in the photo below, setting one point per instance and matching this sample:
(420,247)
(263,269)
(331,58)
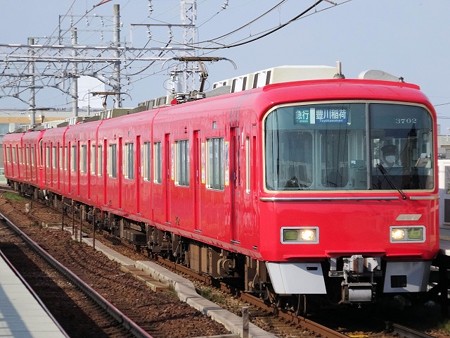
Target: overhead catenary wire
(262,35)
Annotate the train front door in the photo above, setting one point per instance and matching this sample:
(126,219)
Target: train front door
(234,183)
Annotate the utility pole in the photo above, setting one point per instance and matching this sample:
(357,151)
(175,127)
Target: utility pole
(189,19)
(31,71)
(74,75)
(117,86)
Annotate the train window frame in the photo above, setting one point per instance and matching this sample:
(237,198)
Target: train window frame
(157,162)
(112,160)
(128,161)
(146,161)
(182,163)
(215,166)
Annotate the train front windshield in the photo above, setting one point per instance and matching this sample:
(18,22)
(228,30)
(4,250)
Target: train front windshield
(348,146)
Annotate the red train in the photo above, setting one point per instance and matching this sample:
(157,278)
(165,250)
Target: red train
(292,187)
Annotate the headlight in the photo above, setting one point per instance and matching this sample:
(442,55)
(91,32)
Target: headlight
(300,235)
(415,233)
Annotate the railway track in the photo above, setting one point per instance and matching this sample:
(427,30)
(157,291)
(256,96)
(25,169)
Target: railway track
(283,324)
(124,326)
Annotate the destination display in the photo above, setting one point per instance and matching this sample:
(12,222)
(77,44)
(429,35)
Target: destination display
(316,115)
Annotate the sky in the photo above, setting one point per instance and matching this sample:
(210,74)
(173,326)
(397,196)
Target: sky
(407,38)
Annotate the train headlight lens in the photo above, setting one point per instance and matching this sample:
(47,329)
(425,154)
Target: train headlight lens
(300,235)
(408,234)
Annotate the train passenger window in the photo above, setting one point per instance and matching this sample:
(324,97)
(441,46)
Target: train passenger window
(247,165)
(83,159)
(157,166)
(93,164)
(146,156)
(47,156)
(112,161)
(73,158)
(182,163)
(61,149)
(20,155)
(215,164)
(66,159)
(54,158)
(128,163)
(100,160)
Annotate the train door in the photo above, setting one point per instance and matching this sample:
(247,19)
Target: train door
(137,168)
(167,175)
(197,180)
(120,172)
(234,182)
(104,170)
(88,169)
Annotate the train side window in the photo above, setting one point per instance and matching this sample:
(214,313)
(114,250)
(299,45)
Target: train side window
(247,165)
(128,164)
(66,159)
(112,161)
(20,155)
(93,164)
(157,165)
(83,159)
(54,158)
(182,163)
(33,156)
(100,160)
(215,164)
(73,158)
(61,155)
(146,156)
(47,156)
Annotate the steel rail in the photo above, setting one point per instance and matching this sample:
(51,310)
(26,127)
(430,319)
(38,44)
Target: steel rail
(109,308)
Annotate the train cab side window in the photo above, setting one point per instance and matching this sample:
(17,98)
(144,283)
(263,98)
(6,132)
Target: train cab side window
(157,166)
(146,156)
(215,164)
(128,163)
(182,163)
(112,161)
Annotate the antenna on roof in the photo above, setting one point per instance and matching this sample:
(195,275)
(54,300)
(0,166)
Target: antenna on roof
(339,74)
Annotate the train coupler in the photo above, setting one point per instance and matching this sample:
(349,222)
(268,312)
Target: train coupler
(357,293)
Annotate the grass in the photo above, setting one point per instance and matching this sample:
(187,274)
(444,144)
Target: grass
(13,196)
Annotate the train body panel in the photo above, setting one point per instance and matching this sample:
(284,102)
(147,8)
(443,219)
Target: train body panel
(290,174)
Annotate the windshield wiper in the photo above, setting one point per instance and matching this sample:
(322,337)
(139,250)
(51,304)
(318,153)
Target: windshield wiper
(388,179)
